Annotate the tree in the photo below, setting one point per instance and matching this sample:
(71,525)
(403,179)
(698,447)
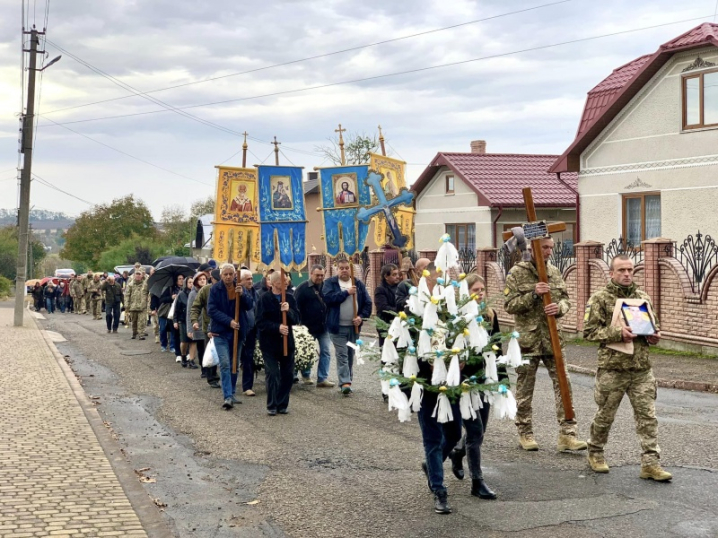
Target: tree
(357,147)
(104,225)
(8,253)
(177,230)
(202,207)
(131,250)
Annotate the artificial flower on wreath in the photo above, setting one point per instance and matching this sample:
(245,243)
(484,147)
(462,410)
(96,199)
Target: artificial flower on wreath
(305,354)
(447,328)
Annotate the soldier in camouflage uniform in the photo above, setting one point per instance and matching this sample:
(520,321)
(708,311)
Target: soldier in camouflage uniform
(136,303)
(620,373)
(76,292)
(87,295)
(95,296)
(523,300)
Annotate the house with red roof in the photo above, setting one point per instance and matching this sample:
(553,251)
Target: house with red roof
(646,150)
(475,196)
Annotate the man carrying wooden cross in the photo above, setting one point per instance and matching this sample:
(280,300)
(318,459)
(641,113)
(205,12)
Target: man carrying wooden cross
(536,295)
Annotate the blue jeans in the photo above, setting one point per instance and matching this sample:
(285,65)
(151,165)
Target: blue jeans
(325,357)
(345,354)
(439,439)
(50,305)
(224,351)
(112,316)
(166,325)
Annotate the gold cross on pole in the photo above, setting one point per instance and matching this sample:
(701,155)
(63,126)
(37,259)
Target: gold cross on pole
(341,143)
(244,150)
(276,151)
(381,142)
(535,230)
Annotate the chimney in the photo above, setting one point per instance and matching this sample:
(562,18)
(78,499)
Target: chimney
(478,146)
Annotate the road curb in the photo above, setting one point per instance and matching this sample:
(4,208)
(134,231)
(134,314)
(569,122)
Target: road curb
(663,383)
(152,521)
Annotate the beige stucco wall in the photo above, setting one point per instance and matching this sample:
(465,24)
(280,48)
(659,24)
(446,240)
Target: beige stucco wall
(645,150)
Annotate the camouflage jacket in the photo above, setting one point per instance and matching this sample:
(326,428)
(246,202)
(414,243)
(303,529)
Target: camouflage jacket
(597,328)
(527,307)
(198,312)
(136,296)
(76,289)
(93,288)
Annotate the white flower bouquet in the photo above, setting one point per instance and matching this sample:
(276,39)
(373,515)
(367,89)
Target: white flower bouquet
(305,355)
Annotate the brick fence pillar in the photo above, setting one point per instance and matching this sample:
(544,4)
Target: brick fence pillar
(430,254)
(313,259)
(654,250)
(485,255)
(585,251)
(373,278)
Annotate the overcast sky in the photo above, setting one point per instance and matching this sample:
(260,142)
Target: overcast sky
(528,102)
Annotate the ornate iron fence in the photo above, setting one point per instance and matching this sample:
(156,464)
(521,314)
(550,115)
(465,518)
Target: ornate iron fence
(508,260)
(467,260)
(697,255)
(563,255)
(392,256)
(618,246)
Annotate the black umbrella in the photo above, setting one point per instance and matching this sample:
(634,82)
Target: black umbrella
(158,260)
(178,260)
(166,277)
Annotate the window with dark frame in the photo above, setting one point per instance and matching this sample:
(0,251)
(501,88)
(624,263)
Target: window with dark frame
(641,217)
(463,236)
(449,184)
(700,100)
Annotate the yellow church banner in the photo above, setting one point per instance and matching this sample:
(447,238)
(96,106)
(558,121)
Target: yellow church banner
(236,218)
(393,180)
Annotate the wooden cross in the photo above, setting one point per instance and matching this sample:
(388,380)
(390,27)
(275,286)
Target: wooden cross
(276,151)
(341,143)
(534,231)
(244,150)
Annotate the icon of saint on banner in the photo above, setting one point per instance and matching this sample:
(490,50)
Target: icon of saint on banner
(345,190)
(281,192)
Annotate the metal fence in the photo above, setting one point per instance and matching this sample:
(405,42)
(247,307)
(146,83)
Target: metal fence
(697,254)
(563,255)
(619,246)
(467,260)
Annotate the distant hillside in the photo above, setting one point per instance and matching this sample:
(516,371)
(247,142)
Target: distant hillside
(40,219)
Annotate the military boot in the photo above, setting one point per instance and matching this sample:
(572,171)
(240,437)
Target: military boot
(655,472)
(569,442)
(597,462)
(527,441)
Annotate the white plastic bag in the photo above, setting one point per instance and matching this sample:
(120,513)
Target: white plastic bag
(210,358)
(171,313)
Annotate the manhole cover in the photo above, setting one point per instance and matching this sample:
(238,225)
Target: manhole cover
(135,352)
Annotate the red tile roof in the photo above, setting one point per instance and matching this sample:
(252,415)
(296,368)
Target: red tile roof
(609,97)
(498,178)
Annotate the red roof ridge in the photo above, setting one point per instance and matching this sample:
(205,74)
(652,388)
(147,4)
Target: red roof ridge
(543,155)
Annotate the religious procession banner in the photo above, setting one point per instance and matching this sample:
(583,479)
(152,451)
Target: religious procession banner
(393,181)
(236,218)
(282,217)
(343,190)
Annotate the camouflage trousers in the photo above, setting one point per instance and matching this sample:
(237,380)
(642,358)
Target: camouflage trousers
(97,307)
(81,307)
(610,387)
(88,304)
(155,324)
(525,383)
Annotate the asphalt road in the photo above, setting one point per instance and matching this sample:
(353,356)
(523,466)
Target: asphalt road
(346,467)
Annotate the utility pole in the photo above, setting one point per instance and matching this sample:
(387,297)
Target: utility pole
(24,209)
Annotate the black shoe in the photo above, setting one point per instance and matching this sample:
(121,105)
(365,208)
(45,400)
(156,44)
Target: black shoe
(184,362)
(457,464)
(134,337)
(227,404)
(425,468)
(272,412)
(283,411)
(214,385)
(204,374)
(192,365)
(235,400)
(441,502)
(385,397)
(295,381)
(481,490)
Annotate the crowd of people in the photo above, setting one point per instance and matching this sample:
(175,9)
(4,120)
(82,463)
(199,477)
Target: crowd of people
(221,308)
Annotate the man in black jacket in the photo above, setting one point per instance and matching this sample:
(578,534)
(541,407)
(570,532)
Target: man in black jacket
(385,295)
(313,312)
(113,300)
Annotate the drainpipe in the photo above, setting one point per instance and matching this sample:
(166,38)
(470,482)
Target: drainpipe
(578,207)
(493,226)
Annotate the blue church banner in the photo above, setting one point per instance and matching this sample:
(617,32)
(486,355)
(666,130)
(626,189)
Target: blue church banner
(343,191)
(282,217)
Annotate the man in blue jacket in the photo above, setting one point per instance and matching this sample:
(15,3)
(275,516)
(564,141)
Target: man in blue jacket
(223,329)
(342,323)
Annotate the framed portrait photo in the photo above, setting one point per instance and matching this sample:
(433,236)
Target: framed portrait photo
(638,319)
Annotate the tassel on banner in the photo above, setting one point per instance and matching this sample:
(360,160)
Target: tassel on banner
(438,376)
(476,402)
(442,412)
(431,316)
(504,404)
(490,371)
(447,257)
(411,364)
(424,344)
(389,355)
(417,391)
(453,376)
(450,297)
(465,406)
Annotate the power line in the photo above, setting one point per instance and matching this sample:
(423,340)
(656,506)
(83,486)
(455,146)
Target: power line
(129,155)
(50,185)
(395,74)
(324,55)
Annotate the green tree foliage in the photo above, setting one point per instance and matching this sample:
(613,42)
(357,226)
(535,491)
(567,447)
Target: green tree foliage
(131,250)
(104,226)
(357,147)
(5,286)
(202,207)
(177,230)
(8,253)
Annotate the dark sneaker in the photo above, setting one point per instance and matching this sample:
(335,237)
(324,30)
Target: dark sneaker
(441,502)
(227,404)
(235,400)
(346,390)
(272,412)
(192,365)
(283,411)
(457,464)
(481,490)
(214,385)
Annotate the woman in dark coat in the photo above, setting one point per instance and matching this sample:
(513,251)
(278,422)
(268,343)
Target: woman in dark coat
(180,323)
(279,369)
(38,296)
(166,299)
(385,295)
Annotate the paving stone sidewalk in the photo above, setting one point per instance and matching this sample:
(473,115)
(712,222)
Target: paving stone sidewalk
(56,478)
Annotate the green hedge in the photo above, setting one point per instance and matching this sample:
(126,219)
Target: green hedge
(5,286)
